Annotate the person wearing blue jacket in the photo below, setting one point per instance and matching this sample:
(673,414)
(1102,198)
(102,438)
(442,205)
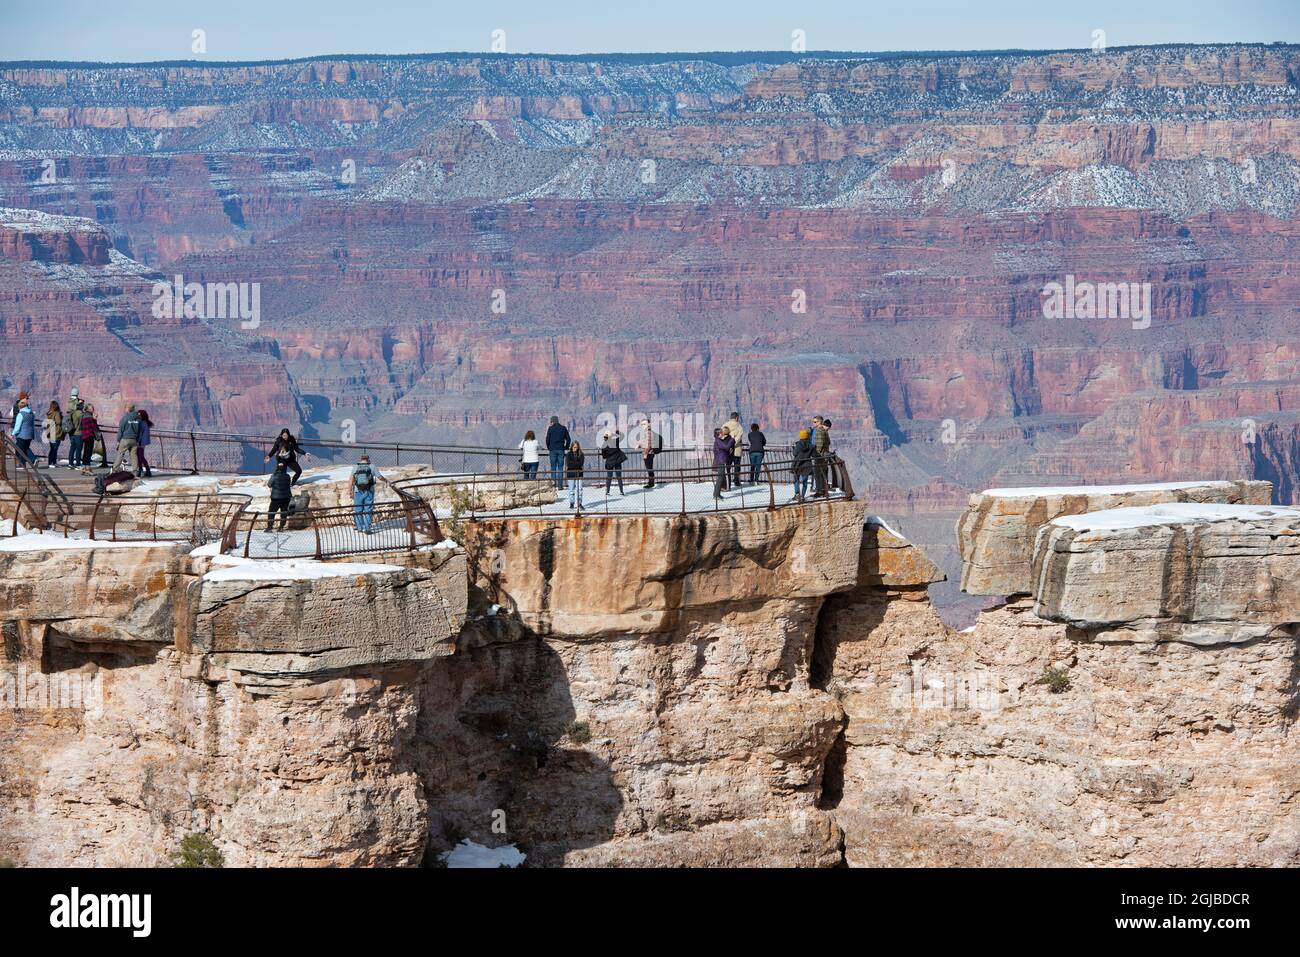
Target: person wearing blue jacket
(558,441)
(24,428)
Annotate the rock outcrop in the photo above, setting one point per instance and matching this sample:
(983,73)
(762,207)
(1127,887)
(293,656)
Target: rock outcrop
(996,534)
(1205,574)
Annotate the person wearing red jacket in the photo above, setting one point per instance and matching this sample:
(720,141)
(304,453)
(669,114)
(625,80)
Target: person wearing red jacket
(89,435)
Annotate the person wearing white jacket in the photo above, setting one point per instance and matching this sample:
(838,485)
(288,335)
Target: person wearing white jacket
(530,459)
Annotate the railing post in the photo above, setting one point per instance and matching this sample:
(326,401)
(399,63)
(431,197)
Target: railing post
(315,524)
(94,516)
(410,523)
(194,455)
(771,488)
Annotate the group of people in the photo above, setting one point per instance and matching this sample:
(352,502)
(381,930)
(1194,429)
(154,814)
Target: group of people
(77,423)
(811,460)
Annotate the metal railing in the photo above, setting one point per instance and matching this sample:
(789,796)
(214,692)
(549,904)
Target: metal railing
(199,518)
(626,491)
(230,453)
(406,523)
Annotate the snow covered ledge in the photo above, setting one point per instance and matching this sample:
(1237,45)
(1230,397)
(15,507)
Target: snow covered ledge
(996,533)
(1201,573)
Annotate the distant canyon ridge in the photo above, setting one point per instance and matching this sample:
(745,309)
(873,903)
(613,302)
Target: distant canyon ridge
(928,249)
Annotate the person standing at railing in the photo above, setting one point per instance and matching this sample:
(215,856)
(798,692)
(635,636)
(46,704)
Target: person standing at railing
(737,433)
(24,428)
(574,461)
(53,433)
(72,425)
(529,459)
(286,449)
(801,465)
(832,481)
(613,457)
(821,447)
(757,448)
(652,443)
(558,442)
(89,435)
(128,440)
(723,444)
(142,463)
(361,486)
(281,495)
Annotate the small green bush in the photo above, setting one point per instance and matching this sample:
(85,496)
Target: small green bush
(7,862)
(578,732)
(1056,679)
(197,850)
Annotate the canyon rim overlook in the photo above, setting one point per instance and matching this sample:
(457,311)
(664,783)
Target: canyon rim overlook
(1005,575)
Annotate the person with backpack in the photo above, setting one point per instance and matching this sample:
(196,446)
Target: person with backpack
(362,488)
(558,441)
(723,443)
(757,448)
(53,433)
(574,460)
(128,439)
(89,435)
(528,457)
(737,433)
(72,426)
(24,429)
(652,443)
(801,466)
(286,449)
(142,463)
(281,495)
(612,454)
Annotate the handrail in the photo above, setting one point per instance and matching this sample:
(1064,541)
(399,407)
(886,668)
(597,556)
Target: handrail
(180,517)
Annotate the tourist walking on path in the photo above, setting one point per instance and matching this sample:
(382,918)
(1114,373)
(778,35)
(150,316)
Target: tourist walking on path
(723,443)
(281,495)
(651,444)
(24,428)
(89,435)
(128,439)
(529,459)
(362,489)
(574,460)
(142,463)
(801,465)
(557,444)
(72,426)
(612,454)
(53,433)
(757,448)
(286,449)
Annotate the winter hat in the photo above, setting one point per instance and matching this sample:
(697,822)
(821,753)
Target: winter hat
(803,433)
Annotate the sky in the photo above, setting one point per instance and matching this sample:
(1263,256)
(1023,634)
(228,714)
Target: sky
(143,30)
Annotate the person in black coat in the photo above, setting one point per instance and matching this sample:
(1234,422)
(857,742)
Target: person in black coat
(286,449)
(574,460)
(757,442)
(281,495)
(612,454)
(557,443)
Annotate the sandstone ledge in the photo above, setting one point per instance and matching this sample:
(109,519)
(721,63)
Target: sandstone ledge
(996,533)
